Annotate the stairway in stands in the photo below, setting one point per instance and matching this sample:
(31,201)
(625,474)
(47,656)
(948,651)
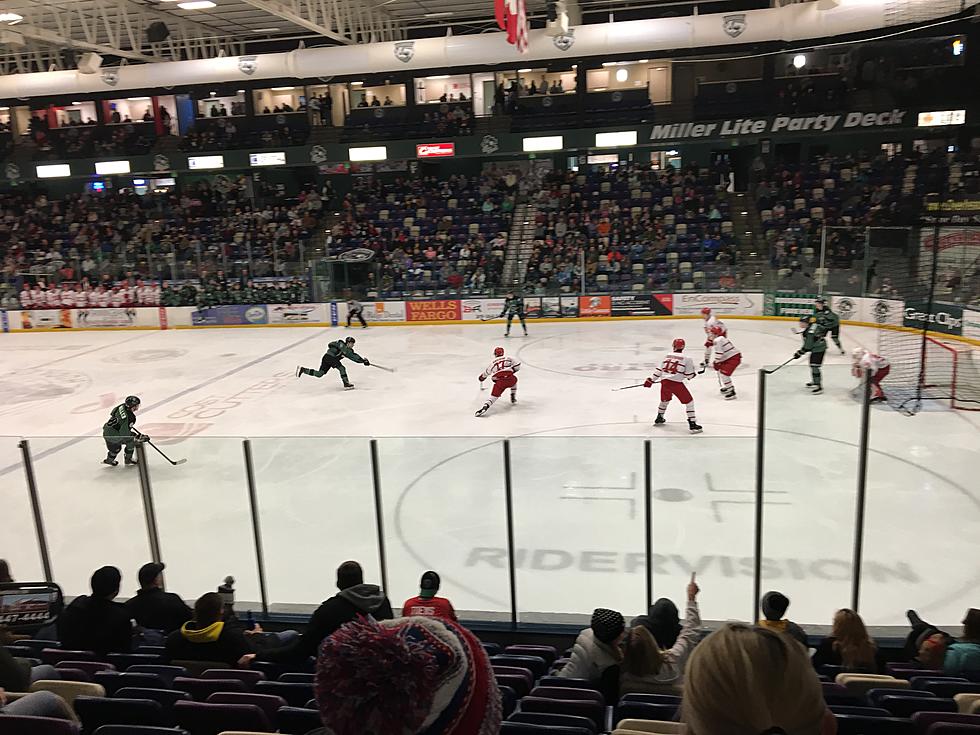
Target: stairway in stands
(520,243)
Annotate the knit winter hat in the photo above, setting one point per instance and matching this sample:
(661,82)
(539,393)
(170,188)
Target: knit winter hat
(410,676)
(607,625)
(774,605)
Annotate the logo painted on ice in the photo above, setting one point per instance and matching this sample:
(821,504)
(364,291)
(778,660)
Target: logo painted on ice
(734,25)
(38,386)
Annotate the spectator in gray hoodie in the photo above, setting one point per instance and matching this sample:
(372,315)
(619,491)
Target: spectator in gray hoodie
(354,599)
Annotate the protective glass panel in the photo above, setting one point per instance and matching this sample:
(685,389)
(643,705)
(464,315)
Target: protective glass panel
(810,483)
(93,513)
(444,510)
(17,520)
(316,502)
(579,526)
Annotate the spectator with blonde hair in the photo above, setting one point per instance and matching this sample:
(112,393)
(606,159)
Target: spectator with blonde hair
(743,680)
(848,644)
(646,668)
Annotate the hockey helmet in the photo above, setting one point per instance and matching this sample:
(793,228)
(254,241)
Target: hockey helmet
(132,401)
(718,329)
(857,354)
(820,300)
(350,340)
(804,324)
(498,351)
(706,311)
(678,345)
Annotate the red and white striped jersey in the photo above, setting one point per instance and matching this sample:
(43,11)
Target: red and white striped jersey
(27,298)
(871,361)
(501,365)
(724,348)
(709,323)
(675,367)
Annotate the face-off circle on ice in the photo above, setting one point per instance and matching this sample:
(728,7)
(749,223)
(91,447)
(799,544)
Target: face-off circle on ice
(577,453)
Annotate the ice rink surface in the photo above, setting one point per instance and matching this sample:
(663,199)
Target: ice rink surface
(577,457)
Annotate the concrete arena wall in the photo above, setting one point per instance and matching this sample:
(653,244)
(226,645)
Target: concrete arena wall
(953,322)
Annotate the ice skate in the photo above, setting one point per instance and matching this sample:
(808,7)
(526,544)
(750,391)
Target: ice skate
(130,461)
(110,461)
(693,426)
(525,333)
(730,395)
(299,371)
(348,386)
(513,398)
(506,334)
(817,389)
(841,350)
(659,420)
(486,407)
(810,384)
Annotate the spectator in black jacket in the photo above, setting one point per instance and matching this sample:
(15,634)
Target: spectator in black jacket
(663,621)
(774,605)
(355,598)
(208,638)
(154,609)
(96,623)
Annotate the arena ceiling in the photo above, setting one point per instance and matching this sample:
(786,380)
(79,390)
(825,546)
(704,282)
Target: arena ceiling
(53,33)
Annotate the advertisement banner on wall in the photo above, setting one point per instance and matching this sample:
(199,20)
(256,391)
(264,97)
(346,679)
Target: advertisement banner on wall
(230,316)
(476,309)
(46,319)
(971,324)
(105,318)
(868,310)
(640,304)
(551,307)
(594,306)
(447,310)
(743,304)
(945,318)
(785,303)
(297,313)
(569,306)
(4,322)
(382,311)
(532,307)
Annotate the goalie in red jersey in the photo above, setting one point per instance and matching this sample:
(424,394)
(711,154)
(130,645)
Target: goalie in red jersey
(673,371)
(502,371)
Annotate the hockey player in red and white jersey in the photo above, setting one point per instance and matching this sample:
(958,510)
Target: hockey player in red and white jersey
(727,358)
(673,371)
(863,361)
(26,298)
(502,372)
(710,320)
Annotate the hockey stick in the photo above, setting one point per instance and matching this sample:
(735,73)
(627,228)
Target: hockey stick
(638,385)
(171,461)
(770,372)
(382,367)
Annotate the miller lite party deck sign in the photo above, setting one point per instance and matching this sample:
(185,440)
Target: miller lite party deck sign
(435,150)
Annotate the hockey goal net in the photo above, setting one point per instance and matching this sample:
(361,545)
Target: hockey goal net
(942,371)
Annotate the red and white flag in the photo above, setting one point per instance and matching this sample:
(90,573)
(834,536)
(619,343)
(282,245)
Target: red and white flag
(512,17)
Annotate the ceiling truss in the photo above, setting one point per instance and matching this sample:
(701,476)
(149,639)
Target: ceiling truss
(344,21)
(107,27)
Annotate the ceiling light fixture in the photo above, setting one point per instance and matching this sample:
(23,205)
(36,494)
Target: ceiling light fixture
(274,29)
(196,5)
(438,76)
(11,18)
(357,84)
(440,14)
(282,89)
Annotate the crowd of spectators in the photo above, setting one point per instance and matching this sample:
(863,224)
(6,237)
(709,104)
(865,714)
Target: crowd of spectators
(76,139)
(430,233)
(426,673)
(114,239)
(638,228)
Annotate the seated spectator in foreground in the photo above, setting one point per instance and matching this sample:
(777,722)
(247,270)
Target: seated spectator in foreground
(5,577)
(744,680)
(597,648)
(96,623)
(648,668)
(774,605)
(355,598)
(916,646)
(663,622)
(963,654)
(38,704)
(17,674)
(848,645)
(406,677)
(154,609)
(208,638)
(427,604)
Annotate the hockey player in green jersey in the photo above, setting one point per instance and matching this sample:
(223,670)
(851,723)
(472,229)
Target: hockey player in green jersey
(828,320)
(514,306)
(336,351)
(118,432)
(815,343)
